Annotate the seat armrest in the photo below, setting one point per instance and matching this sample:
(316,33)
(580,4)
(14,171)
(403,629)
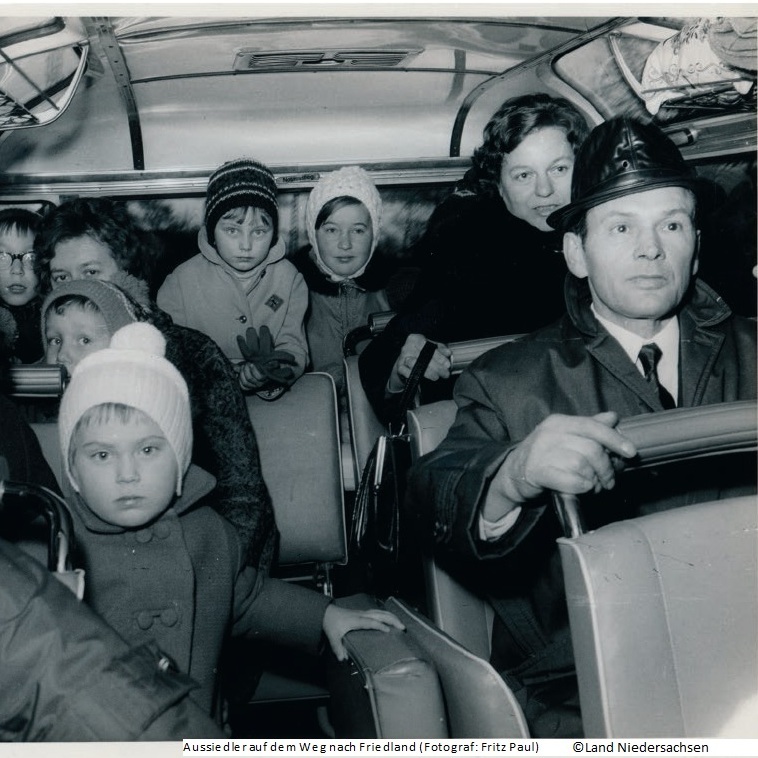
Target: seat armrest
(389,688)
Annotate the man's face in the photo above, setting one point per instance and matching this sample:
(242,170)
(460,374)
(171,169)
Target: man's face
(639,255)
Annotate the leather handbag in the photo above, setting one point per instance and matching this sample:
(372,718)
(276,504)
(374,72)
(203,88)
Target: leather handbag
(376,529)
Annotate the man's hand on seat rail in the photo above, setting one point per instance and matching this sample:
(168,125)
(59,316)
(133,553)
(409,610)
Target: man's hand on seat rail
(571,454)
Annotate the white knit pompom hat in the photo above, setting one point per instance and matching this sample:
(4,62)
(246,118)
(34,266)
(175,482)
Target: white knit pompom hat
(134,372)
(350,181)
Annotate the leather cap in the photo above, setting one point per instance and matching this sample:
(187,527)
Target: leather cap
(621,157)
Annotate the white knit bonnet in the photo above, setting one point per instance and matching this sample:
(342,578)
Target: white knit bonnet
(134,372)
(350,181)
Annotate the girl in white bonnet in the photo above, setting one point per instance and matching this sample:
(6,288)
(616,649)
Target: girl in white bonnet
(346,280)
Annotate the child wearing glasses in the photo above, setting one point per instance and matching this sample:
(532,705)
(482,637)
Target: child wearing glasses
(20,301)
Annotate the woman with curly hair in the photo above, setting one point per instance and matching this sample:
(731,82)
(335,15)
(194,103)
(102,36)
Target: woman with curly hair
(492,265)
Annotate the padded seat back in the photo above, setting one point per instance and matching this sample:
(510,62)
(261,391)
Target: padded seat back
(664,618)
(298,439)
(454,608)
(477,700)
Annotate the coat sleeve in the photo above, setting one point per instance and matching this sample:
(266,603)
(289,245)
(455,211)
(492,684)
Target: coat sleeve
(429,309)
(67,676)
(171,301)
(448,487)
(272,610)
(291,337)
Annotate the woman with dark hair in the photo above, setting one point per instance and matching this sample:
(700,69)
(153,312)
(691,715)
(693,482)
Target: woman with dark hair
(492,265)
(96,238)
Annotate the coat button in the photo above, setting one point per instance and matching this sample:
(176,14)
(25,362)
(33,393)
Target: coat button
(242,319)
(143,536)
(161,530)
(169,617)
(144,620)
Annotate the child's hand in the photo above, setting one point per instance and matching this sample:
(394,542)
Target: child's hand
(249,377)
(273,365)
(339,621)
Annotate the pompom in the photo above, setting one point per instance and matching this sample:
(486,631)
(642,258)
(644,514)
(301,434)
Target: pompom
(139,336)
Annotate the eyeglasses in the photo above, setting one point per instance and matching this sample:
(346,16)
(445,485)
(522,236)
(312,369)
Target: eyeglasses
(6,259)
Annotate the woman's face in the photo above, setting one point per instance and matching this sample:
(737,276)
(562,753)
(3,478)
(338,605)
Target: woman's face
(345,239)
(82,258)
(535,178)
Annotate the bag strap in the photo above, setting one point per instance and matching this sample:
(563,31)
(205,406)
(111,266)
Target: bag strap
(414,379)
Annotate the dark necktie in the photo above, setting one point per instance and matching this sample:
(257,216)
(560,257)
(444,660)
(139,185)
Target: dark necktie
(649,356)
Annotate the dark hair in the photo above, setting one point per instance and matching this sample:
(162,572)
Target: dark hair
(515,120)
(579,227)
(333,205)
(20,220)
(103,220)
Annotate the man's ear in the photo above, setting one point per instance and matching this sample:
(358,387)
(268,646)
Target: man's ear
(696,255)
(573,252)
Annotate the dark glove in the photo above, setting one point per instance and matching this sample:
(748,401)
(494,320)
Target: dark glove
(258,349)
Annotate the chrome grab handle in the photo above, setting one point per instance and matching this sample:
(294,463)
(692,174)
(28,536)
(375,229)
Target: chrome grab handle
(37,380)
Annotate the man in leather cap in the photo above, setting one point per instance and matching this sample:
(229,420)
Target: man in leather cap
(539,414)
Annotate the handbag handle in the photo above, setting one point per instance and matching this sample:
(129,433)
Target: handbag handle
(414,379)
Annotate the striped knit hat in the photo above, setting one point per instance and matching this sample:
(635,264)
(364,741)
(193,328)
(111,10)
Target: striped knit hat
(241,183)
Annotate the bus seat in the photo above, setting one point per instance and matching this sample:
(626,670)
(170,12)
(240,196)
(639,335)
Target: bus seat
(664,626)
(420,683)
(453,607)
(299,445)
(389,689)
(477,700)
(298,440)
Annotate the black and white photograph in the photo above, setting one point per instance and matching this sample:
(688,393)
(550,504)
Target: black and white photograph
(378,372)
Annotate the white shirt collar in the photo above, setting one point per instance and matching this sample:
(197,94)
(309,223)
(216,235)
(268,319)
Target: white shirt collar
(667,340)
